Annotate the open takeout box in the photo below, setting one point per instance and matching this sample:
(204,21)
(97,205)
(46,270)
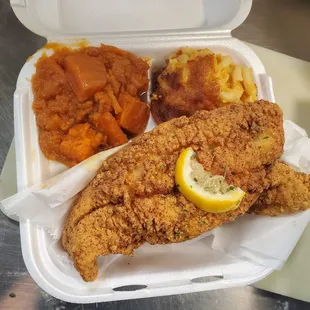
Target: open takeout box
(146,28)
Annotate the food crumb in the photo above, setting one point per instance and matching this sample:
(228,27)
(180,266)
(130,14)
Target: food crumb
(12,295)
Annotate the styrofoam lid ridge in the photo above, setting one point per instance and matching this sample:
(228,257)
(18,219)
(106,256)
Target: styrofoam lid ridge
(77,18)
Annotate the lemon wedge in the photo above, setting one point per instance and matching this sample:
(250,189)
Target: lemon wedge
(208,192)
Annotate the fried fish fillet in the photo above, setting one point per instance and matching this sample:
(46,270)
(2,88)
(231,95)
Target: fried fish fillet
(134,198)
(288,192)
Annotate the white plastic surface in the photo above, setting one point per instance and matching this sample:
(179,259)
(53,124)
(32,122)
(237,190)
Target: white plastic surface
(173,275)
(146,28)
(77,18)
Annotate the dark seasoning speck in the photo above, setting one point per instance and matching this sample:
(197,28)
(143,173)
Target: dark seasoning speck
(230,188)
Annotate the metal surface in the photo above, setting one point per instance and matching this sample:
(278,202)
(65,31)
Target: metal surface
(276,24)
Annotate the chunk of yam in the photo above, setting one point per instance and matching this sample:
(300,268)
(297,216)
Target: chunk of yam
(104,101)
(80,143)
(117,108)
(48,80)
(86,74)
(135,114)
(107,124)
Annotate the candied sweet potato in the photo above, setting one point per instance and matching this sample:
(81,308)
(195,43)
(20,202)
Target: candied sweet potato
(72,86)
(50,79)
(104,102)
(107,124)
(81,142)
(117,108)
(86,74)
(135,114)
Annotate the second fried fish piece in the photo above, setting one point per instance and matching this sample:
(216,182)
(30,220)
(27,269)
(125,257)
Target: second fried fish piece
(134,198)
(288,192)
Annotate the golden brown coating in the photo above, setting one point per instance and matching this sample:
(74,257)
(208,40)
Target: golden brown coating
(134,199)
(195,80)
(184,88)
(289,192)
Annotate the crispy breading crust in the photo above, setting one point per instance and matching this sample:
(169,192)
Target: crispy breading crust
(134,199)
(288,192)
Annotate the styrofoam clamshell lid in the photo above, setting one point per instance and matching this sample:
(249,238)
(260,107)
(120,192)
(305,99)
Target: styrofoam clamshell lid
(76,18)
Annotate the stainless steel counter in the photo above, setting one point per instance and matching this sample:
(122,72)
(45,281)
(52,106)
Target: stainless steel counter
(276,24)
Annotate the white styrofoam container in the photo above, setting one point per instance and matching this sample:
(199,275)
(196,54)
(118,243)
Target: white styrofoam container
(146,28)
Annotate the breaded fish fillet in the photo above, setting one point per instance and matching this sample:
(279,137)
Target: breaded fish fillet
(134,198)
(288,192)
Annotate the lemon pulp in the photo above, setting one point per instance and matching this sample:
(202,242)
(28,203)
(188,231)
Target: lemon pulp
(208,192)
